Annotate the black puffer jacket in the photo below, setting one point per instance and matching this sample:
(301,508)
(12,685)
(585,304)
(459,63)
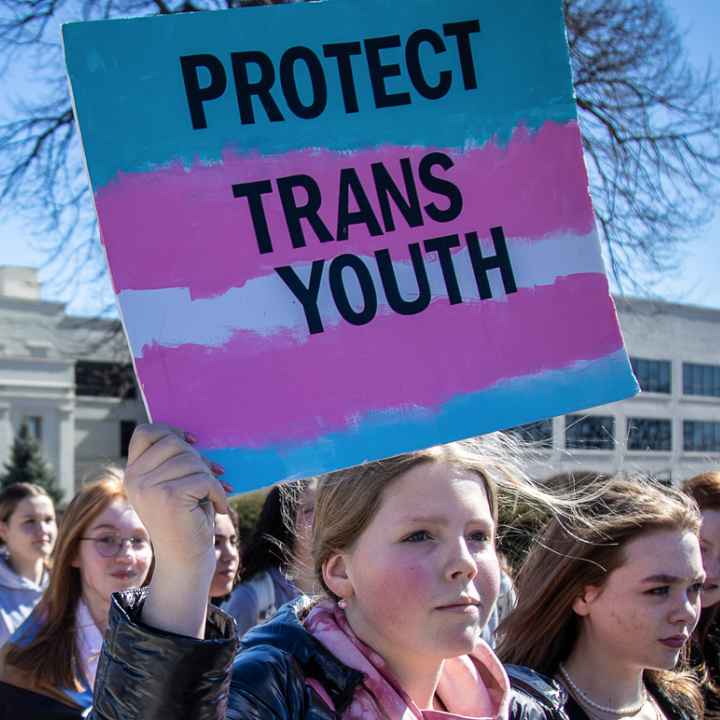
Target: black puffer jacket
(146,674)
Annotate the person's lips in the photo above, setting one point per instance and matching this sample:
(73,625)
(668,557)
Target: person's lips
(123,574)
(463,604)
(674,641)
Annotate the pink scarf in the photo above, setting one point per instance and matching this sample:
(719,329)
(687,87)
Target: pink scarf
(471,686)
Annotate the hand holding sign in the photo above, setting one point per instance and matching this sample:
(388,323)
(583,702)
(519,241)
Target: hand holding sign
(176,495)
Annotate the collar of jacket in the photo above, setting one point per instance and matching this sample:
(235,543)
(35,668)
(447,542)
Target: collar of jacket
(285,631)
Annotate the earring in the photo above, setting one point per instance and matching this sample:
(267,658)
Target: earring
(342,604)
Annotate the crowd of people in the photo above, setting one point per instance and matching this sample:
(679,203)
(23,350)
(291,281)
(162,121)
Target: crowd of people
(371,592)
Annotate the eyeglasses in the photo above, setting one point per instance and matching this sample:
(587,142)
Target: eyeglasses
(110,545)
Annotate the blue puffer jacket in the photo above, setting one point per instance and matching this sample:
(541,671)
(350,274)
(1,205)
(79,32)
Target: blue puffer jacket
(146,674)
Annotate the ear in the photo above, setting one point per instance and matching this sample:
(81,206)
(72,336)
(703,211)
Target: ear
(337,576)
(583,602)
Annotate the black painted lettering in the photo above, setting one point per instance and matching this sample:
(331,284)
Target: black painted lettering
(245,88)
(414,66)
(408,204)
(254,191)
(288,81)
(307,295)
(342,52)
(461,32)
(440,187)
(294,213)
(442,246)
(379,71)
(339,293)
(499,261)
(390,283)
(350,182)
(197,95)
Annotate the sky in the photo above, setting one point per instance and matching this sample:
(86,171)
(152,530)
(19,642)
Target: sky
(694,281)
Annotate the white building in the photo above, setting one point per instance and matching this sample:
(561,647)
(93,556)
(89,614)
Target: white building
(69,380)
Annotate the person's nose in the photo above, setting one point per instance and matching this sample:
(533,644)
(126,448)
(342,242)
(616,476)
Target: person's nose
(126,553)
(461,562)
(687,610)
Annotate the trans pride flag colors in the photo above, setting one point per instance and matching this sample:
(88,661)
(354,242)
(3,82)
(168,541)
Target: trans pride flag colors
(343,230)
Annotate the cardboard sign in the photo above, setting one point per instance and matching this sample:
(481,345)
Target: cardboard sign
(343,230)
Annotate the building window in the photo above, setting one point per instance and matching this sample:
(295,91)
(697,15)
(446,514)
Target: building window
(649,434)
(104,379)
(34,424)
(590,432)
(538,433)
(653,375)
(126,431)
(701,436)
(701,379)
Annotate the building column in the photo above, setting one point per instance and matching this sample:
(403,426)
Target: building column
(6,433)
(66,449)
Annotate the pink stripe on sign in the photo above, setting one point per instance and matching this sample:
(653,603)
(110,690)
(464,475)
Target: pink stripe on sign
(288,391)
(178,227)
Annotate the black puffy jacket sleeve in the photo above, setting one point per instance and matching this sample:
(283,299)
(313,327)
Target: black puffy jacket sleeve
(534,697)
(148,674)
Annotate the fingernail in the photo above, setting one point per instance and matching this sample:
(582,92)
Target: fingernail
(189,437)
(226,487)
(217,469)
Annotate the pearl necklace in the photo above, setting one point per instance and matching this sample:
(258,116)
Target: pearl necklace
(629,710)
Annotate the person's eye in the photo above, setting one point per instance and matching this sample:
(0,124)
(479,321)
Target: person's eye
(661,591)
(418,536)
(108,540)
(480,536)
(31,521)
(697,588)
(139,542)
(218,540)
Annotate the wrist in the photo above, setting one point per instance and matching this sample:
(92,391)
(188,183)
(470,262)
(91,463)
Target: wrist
(178,597)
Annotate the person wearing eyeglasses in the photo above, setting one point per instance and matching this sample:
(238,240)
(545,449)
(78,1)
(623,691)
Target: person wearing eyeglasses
(47,669)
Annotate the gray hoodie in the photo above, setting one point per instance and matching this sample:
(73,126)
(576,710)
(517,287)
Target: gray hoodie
(18,596)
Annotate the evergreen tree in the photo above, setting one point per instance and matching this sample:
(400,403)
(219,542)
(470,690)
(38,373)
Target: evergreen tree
(26,464)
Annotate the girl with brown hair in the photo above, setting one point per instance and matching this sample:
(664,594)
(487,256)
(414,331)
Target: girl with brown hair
(607,601)
(705,490)
(51,660)
(404,552)
(27,537)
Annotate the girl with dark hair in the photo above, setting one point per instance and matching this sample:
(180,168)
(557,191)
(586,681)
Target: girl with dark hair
(607,601)
(27,537)
(227,552)
(275,563)
(705,490)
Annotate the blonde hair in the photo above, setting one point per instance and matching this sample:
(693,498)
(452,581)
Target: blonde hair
(347,500)
(583,549)
(50,660)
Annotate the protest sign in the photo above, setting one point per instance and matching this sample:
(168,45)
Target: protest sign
(342,230)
